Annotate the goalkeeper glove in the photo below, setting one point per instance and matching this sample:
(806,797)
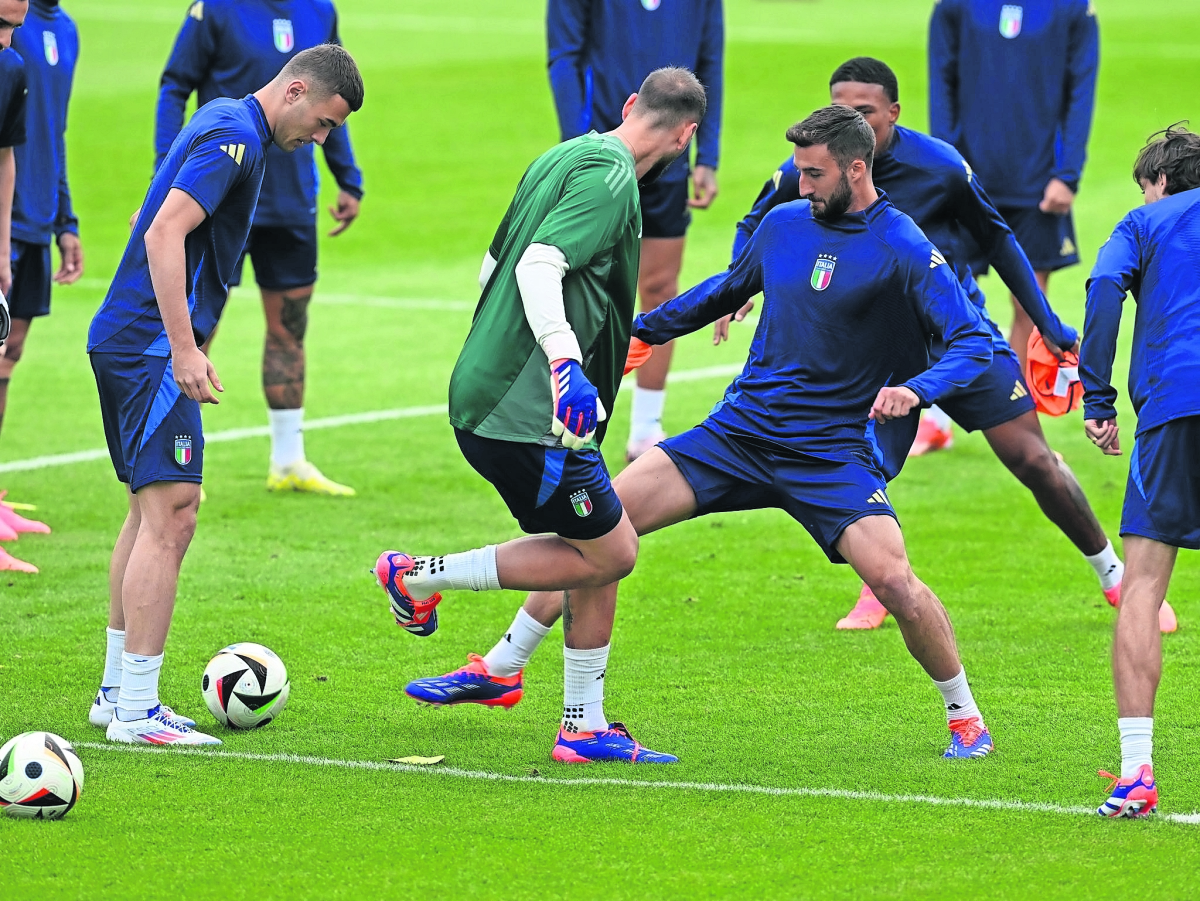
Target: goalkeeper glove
(639,353)
(5,320)
(577,407)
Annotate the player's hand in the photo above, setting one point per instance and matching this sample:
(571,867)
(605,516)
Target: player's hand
(5,274)
(345,212)
(193,374)
(577,407)
(1057,198)
(70,253)
(721,326)
(704,188)
(1104,434)
(639,353)
(892,403)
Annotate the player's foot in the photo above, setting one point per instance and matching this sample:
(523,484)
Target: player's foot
(931,437)
(305,477)
(1136,797)
(969,738)
(472,684)
(105,707)
(868,613)
(418,617)
(1113,595)
(159,728)
(7,532)
(11,564)
(1167,622)
(613,743)
(19,524)
(635,449)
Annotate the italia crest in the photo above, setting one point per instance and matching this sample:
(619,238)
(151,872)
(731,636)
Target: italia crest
(50,45)
(1010,21)
(822,273)
(582,503)
(285,38)
(183,450)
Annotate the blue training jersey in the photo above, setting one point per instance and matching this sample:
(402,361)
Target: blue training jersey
(600,52)
(1154,253)
(49,44)
(218,159)
(1012,86)
(12,98)
(849,307)
(230,48)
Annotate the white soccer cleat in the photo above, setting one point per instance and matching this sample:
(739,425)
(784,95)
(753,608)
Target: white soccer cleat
(104,709)
(157,729)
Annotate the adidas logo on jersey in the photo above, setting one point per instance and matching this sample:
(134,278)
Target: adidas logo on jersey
(936,259)
(1019,391)
(878,498)
(235,151)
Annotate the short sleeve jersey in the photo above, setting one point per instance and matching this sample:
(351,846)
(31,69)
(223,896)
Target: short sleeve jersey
(580,197)
(218,160)
(12,98)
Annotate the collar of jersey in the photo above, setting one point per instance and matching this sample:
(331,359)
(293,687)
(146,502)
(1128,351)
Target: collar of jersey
(260,117)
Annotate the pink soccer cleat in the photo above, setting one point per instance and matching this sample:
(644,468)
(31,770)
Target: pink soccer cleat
(18,523)
(868,613)
(1167,622)
(11,564)
(930,438)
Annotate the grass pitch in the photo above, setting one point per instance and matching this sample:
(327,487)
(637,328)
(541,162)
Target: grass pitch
(810,760)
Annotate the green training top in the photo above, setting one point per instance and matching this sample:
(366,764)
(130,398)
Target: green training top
(582,198)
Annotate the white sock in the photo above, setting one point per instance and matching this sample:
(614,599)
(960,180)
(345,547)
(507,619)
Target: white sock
(583,689)
(1108,566)
(469,571)
(1137,743)
(960,704)
(287,436)
(939,417)
(512,652)
(646,415)
(139,685)
(112,658)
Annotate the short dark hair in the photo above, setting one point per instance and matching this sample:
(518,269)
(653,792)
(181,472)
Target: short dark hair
(842,129)
(670,97)
(331,69)
(868,70)
(1175,152)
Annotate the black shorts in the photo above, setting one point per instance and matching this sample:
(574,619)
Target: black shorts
(547,489)
(1162,497)
(1048,240)
(284,256)
(665,212)
(30,294)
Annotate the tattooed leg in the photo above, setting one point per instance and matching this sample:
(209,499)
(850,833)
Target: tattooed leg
(283,352)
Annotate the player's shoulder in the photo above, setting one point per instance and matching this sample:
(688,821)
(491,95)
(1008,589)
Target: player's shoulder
(927,149)
(898,230)
(12,64)
(227,118)
(794,212)
(1169,210)
(599,155)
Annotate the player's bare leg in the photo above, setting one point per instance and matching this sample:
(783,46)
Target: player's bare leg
(1022,325)
(10,355)
(11,523)
(658,282)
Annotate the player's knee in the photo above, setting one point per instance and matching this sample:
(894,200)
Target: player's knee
(896,590)
(621,558)
(11,352)
(658,288)
(1035,467)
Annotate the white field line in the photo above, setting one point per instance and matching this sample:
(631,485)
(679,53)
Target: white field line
(330,422)
(713,787)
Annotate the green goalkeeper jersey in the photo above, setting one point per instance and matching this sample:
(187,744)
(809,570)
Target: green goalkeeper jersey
(581,197)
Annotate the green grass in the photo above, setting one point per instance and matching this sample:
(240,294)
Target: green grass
(724,649)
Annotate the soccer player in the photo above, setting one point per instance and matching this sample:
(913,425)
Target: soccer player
(796,430)
(929,180)
(227,48)
(152,376)
(1154,253)
(1012,86)
(41,211)
(599,51)
(528,396)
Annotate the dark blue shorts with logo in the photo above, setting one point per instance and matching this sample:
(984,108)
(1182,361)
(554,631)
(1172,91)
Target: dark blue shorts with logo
(152,429)
(547,489)
(1047,239)
(1162,496)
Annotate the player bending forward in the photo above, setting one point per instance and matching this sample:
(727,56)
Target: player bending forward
(165,300)
(542,362)
(840,269)
(1155,253)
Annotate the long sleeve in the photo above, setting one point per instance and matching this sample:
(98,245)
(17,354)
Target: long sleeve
(64,217)
(339,157)
(783,187)
(1117,270)
(1083,62)
(566,32)
(944,120)
(710,65)
(185,70)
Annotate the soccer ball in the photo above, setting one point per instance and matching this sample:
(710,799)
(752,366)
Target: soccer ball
(40,776)
(245,685)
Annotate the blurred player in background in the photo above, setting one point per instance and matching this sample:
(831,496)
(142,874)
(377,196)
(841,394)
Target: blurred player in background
(165,300)
(599,52)
(41,212)
(228,48)
(1012,86)
(1154,253)
(528,396)
(929,180)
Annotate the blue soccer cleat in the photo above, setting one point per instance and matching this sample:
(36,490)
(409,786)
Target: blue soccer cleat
(418,617)
(472,684)
(969,738)
(613,743)
(1136,797)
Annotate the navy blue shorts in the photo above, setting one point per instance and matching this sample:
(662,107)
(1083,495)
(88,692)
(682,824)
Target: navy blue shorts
(996,397)
(727,472)
(284,256)
(1162,496)
(665,212)
(152,428)
(1048,240)
(30,294)
(547,489)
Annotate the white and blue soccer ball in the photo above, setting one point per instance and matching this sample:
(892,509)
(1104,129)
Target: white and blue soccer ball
(245,686)
(41,777)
